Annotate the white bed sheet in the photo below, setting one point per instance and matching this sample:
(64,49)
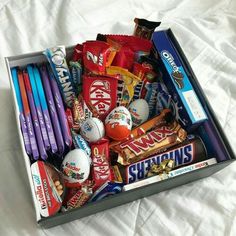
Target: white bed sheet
(206,31)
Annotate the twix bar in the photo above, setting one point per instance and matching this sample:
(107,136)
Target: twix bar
(154,141)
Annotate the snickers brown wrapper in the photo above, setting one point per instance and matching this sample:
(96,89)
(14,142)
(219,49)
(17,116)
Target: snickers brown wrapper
(190,151)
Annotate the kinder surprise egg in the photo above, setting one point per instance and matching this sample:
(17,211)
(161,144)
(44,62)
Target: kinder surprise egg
(118,123)
(92,129)
(139,111)
(76,168)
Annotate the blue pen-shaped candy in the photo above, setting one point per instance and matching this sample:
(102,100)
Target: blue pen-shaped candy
(21,116)
(35,120)
(29,123)
(44,107)
(38,107)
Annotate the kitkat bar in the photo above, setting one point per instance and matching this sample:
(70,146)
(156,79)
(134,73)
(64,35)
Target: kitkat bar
(101,93)
(101,164)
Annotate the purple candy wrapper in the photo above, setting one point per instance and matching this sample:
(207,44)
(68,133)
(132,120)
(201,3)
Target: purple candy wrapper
(37,129)
(29,123)
(38,107)
(60,109)
(216,143)
(21,115)
(52,109)
(25,133)
(44,106)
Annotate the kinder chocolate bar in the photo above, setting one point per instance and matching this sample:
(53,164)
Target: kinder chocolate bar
(44,106)
(21,115)
(101,167)
(177,81)
(171,174)
(52,109)
(48,196)
(101,93)
(145,28)
(189,152)
(107,189)
(97,55)
(28,119)
(57,59)
(60,110)
(34,116)
(154,141)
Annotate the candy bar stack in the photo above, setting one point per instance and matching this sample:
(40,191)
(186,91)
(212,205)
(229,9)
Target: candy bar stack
(107,120)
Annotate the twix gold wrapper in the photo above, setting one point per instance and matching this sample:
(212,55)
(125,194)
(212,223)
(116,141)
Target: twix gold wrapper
(152,142)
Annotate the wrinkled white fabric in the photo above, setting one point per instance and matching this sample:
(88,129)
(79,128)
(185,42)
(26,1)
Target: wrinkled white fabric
(206,30)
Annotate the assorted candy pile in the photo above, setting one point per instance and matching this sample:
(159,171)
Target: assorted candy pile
(95,125)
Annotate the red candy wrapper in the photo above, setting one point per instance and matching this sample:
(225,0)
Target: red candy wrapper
(101,93)
(79,198)
(78,53)
(131,48)
(101,164)
(97,55)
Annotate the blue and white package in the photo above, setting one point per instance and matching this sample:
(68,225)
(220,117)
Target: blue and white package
(81,143)
(151,97)
(171,174)
(188,109)
(107,189)
(57,59)
(76,74)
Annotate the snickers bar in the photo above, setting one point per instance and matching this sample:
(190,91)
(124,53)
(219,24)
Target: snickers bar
(191,151)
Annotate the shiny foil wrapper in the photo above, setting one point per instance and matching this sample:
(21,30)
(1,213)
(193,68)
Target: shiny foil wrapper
(77,110)
(165,167)
(150,143)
